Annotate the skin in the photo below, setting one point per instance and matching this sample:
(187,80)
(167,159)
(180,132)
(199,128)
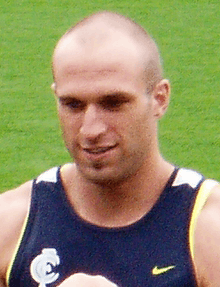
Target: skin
(109,121)
(14,206)
(84,280)
(207,238)
(109,125)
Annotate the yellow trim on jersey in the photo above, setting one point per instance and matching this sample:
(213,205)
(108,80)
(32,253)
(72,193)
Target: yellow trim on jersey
(16,249)
(201,199)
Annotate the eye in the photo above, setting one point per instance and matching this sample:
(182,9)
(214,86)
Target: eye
(113,102)
(72,103)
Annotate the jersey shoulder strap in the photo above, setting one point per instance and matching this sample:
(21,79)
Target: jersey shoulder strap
(201,198)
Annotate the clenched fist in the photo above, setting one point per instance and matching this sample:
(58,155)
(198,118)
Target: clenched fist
(84,280)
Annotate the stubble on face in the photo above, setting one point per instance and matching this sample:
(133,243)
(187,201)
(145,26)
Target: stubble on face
(132,130)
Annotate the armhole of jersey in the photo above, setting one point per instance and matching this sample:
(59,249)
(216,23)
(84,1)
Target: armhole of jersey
(201,198)
(16,248)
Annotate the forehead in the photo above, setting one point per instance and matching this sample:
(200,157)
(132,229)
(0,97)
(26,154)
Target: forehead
(114,62)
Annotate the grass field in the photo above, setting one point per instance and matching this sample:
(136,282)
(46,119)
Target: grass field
(187,33)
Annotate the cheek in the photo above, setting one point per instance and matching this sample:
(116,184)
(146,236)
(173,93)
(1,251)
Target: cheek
(140,125)
(139,136)
(69,125)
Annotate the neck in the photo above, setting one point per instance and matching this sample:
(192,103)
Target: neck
(122,203)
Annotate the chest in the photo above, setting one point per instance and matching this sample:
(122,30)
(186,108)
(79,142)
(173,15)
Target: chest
(156,253)
(151,252)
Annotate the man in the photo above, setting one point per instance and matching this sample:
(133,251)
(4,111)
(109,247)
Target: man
(120,215)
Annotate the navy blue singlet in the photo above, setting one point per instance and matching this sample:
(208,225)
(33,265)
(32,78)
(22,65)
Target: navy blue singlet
(154,251)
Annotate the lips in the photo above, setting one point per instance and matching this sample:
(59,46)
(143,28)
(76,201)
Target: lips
(98,150)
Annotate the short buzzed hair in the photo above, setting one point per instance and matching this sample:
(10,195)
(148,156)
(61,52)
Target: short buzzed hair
(114,21)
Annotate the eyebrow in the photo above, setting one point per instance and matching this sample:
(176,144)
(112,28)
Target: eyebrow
(117,94)
(67,97)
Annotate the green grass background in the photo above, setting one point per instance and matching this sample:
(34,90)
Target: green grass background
(187,33)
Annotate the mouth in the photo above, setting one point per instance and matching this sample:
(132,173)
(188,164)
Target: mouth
(98,150)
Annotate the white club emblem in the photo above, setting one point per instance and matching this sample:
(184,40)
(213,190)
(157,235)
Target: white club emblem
(42,267)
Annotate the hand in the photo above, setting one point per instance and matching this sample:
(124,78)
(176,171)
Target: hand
(84,280)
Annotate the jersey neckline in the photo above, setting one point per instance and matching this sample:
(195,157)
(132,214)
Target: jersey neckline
(128,227)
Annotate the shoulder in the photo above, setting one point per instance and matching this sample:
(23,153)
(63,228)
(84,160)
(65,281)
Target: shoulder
(14,205)
(14,209)
(15,200)
(207,235)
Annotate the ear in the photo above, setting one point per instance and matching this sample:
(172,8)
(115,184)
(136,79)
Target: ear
(161,97)
(53,87)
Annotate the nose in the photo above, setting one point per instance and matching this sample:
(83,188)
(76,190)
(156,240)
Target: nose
(93,126)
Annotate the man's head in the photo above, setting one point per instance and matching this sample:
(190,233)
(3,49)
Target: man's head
(106,28)
(108,81)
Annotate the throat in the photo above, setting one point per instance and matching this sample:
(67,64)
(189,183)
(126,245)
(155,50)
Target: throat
(116,205)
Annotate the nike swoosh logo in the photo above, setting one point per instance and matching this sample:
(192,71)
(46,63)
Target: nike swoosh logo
(158,271)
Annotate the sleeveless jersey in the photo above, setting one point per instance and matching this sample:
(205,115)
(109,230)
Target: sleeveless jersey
(155,251)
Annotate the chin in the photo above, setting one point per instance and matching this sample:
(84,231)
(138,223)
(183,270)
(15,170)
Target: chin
(103,176)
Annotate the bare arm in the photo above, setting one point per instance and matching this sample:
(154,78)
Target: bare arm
(207,242)
(14,207)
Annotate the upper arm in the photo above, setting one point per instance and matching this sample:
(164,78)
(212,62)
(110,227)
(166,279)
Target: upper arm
(207,241)
(14,206)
